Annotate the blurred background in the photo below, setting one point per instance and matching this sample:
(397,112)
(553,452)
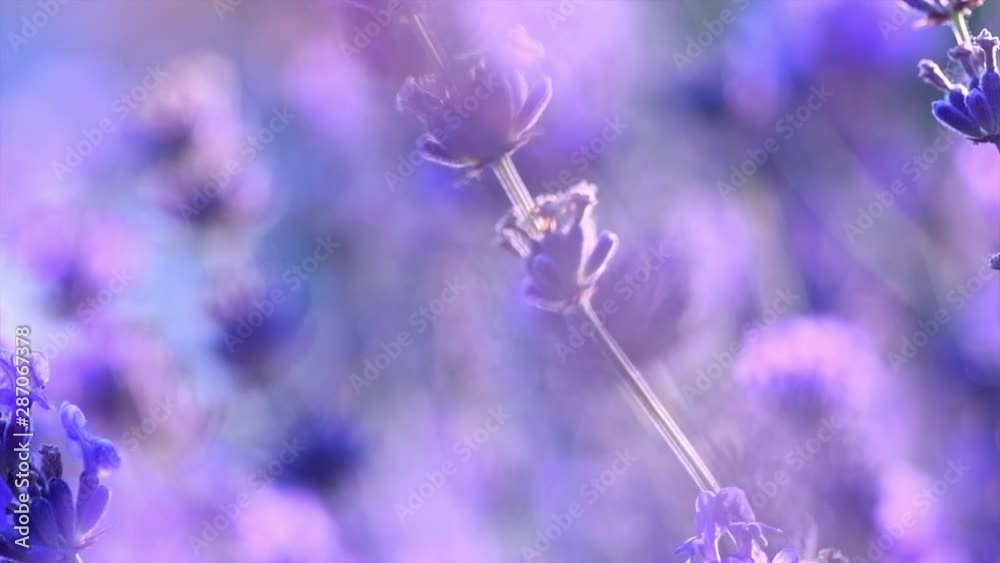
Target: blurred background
(308,347)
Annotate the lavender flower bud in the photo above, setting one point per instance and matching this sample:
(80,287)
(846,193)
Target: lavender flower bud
(932,74)
(988,43)
(51,462)
(967,56)
(955,119)
(979,108)
(564,254)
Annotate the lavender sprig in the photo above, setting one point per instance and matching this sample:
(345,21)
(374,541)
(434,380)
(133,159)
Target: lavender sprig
(972,107)
(554,234)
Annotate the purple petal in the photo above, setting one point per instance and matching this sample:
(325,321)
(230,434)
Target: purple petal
(533,107)
(600,257)
(62,504)
(92,501)
(43,522)
(979,108)
(951,117)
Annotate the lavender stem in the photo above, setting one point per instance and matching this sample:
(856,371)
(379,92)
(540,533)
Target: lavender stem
(523,205)
(647,398)
(961,28)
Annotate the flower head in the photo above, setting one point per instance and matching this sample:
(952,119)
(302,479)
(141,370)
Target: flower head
(564,255)
(972,108)
(477,113)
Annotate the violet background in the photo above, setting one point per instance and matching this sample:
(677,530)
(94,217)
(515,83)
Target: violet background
(367,448)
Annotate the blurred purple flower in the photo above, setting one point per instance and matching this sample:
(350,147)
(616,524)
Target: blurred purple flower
(565,256)
(476,114)
(729,512)
(939,12)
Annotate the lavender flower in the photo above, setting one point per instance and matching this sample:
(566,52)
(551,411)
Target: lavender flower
(939,12)
(995,261)
(61,525)
(729,512)
(476,114)
(564,255)
(972,109)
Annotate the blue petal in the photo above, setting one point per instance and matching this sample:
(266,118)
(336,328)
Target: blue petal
(43,522)
(951,117)
(100,455)
(92,501)
(534,106)
(61,498)
(991,87)
(979,108)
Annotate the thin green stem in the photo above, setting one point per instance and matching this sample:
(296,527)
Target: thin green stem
(523,205)
(514,187)
(437,53)
(649,402)
(960,26)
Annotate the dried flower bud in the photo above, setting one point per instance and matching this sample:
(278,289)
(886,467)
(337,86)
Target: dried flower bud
(565,257)
(932,74)
(51,462)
